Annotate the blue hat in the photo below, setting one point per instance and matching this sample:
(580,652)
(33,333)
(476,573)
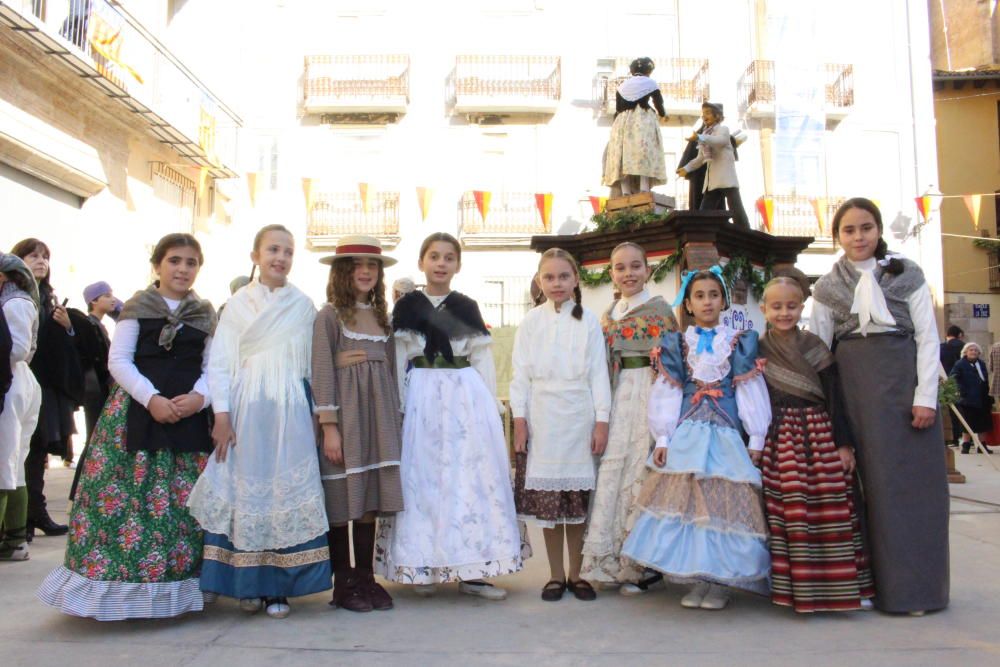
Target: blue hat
(95,291)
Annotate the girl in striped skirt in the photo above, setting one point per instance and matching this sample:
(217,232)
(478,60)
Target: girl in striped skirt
(818,561)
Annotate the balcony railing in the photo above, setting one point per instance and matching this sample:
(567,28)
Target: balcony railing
(336,214)
(343,84)
(757,91)
(105,45)
(505,84)
(794,215)
(512,219)
(683,83)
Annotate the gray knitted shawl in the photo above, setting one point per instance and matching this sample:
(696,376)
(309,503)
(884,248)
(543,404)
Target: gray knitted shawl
(835,290)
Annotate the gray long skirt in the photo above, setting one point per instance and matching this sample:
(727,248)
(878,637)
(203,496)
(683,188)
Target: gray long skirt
(902,472)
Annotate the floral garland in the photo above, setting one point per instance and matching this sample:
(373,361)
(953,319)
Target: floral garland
(659,271)
(739,267)
(624,221)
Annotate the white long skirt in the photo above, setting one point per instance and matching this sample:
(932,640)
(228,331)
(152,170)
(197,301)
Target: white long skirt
(458,521)
(17,423)
(619,478)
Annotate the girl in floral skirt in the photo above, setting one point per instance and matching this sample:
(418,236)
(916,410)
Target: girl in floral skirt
(133,550)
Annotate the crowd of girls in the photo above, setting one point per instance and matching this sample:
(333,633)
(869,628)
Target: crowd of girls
(252,456)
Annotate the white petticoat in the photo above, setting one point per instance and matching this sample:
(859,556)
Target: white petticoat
(619,478)
(459,521)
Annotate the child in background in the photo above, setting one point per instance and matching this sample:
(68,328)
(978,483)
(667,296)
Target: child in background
(21,402)
(459,522)
(818,562)
(357,403)
(700,517)
(260,499)
(633,325)
(560,398)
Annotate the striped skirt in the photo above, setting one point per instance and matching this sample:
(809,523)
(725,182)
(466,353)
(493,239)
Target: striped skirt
(818,562)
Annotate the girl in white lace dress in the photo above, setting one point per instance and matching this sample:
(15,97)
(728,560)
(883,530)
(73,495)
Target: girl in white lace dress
(633,325)
(458,521)
(260,499)
(560,397)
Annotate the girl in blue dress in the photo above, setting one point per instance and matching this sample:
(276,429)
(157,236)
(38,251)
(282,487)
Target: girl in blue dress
(699,515)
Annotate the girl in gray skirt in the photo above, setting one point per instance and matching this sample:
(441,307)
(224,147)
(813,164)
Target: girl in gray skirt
(875,311)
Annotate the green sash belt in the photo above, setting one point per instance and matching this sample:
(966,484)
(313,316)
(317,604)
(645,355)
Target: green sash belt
(440,362)
(635,362)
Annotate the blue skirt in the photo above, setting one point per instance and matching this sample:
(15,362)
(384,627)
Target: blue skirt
(300,570)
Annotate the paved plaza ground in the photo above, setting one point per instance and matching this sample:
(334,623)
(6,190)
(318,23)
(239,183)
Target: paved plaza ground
(453,629)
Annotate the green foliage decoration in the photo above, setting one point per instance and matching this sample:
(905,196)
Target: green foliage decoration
(660,270)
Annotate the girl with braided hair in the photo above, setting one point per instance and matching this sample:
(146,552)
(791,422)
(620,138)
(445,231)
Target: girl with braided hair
(560,398)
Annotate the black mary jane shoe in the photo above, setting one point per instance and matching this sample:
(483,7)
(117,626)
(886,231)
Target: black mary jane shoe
(582,590)
(553,591)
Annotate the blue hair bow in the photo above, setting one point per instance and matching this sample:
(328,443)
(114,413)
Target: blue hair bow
(686,279)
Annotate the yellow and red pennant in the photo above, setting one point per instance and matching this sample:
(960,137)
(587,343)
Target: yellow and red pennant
(307,192)
(598,203)
(107,40)
(819,205)
(482,198)
(765,206)
(543,200)
(424,196)
(253,186)
(365,193)
(973,203)
(924,206)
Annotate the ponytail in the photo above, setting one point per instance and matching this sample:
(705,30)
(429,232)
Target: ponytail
(893,266)
(577,298)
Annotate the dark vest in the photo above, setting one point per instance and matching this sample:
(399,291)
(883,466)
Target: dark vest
(173,372)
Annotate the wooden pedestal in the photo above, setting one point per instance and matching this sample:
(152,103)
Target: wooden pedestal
(643,202)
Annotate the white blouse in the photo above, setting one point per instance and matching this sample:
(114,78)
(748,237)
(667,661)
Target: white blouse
(925,334)
(478,348)
(121,362)
(21,315)
(753,405)
(555,346)
(626,305)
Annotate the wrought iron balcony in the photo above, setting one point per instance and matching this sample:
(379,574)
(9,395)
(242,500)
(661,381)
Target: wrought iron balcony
(683,83)
(505,84)
(794,215)
(353,84)
(99,41)
(511,219)
(336,214)
(757,91)
(993,258)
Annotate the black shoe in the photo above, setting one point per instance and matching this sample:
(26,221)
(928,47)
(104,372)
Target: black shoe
(965,448)
(49,527)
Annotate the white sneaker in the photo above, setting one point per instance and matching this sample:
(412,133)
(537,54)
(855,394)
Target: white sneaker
(425,590)
(251,605)
(717,598)
(695,596)
(278,607)
(482,589)
(208,597)
(20,552)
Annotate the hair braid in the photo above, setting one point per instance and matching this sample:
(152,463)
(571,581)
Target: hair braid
(578,298)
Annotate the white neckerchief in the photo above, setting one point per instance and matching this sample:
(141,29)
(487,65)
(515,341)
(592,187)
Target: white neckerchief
(627,305)
(436,300)
(636,86)
(978,365)
(869,301)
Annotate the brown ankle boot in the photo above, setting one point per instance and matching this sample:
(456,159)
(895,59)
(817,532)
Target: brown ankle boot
(377,595)
(350,593)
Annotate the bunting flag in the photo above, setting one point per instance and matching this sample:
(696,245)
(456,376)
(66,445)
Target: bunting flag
(365,193)
(307,192)
(765,206)
(819,205)
(924,206)
(482,202)
(598,203)
(877,202)
(544,203)
(202,181)
(973,203)
(107,40)
(253,185)
(424,196)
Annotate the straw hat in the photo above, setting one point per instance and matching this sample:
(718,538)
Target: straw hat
(359,245)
